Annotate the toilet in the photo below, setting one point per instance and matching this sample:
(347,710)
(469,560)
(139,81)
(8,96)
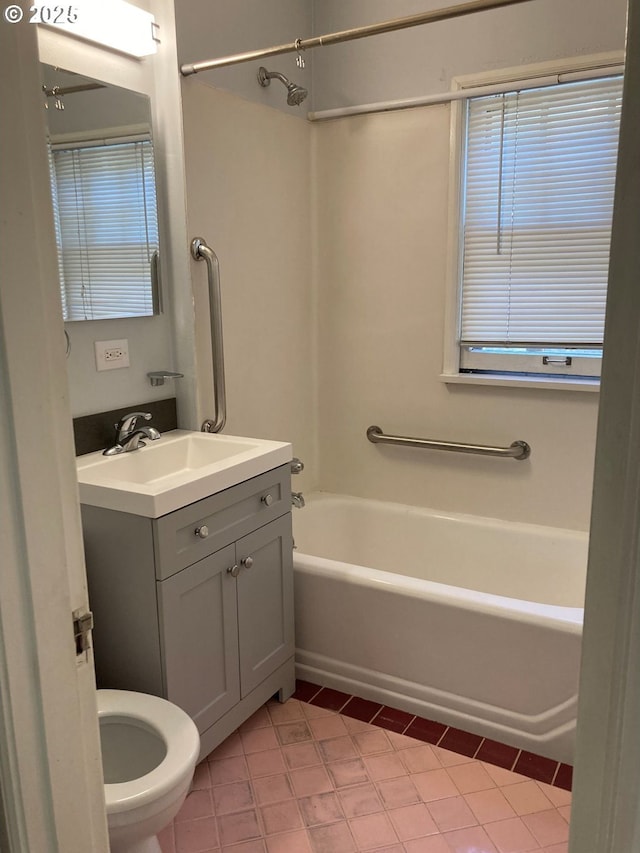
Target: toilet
(149,753)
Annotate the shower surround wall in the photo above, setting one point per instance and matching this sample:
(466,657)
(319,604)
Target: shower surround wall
(382,198)
(332,243)
(364,344)
(248,183)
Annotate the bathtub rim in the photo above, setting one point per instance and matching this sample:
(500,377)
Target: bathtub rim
(565,619)
(319,496)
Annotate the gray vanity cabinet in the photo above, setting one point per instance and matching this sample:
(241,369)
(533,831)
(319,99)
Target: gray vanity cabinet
(197,606)
(222,636)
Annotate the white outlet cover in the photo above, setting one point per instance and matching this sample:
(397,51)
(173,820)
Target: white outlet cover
(112,355)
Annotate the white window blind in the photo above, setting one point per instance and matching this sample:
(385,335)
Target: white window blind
(538,188)
(107,229)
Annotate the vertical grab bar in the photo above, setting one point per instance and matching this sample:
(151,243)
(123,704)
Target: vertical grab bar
(200,251)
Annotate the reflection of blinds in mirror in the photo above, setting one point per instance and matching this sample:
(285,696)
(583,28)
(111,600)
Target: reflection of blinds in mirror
(108,230)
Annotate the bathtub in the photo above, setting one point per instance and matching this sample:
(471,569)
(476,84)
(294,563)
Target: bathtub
(471,621)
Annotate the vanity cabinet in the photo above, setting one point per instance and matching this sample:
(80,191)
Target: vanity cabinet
(197,606)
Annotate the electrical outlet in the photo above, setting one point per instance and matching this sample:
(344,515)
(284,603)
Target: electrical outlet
(110,355)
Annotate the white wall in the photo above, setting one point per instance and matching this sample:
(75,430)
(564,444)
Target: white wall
(149,349)
(208,29)
(422,60)
(382,195)
(248,186)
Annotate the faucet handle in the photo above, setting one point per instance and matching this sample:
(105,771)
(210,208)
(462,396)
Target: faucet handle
(127,422)
(297,499)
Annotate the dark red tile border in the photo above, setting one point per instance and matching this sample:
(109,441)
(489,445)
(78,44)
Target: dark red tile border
(464,743)
(333,700)
(536,767)
(361,709)
(392,719)
(305,690)
(499,754)
(430,731)
(564,777)
(425,730)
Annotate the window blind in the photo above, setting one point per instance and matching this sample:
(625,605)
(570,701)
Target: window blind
(107,228)
(537,206)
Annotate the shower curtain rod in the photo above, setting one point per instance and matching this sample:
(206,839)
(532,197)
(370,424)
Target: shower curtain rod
(56,91)
(606,69)
(350,35)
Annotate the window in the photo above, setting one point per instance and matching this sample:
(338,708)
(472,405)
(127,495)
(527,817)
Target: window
(538,175)
(104,203)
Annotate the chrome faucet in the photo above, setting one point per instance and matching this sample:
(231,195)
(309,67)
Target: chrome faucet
(297,499)
(129,436)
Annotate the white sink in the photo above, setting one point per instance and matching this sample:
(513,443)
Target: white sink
(179,468)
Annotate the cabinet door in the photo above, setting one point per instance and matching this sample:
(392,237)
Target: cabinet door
(265,601)
(199,638)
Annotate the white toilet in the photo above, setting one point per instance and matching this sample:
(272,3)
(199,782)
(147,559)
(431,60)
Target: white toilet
(149,753)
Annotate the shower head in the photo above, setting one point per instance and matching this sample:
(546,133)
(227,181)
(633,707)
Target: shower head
(295,94)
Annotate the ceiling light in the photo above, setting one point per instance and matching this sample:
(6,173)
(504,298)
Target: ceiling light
(114,24)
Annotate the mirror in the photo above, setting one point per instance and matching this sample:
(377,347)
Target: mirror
(104,197)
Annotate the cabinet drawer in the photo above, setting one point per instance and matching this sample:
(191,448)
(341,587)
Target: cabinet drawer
(227,516)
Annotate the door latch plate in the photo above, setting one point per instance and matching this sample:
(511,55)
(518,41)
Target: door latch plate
(82,625)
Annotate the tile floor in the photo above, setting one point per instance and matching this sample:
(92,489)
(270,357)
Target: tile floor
(303,778)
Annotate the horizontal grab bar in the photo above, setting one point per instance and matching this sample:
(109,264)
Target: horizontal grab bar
(518,450)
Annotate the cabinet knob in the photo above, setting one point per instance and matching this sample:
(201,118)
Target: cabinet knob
(234,571)
(247,562)
(202,532)
(267,500)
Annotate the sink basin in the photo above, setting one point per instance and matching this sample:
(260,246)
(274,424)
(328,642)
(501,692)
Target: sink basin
(179,468)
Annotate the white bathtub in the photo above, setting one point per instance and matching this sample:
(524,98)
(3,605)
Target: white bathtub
(470,621)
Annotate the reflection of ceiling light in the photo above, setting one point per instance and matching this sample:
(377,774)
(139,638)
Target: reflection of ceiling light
(115,24)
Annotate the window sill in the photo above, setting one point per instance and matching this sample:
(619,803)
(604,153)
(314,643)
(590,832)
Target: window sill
(538,383)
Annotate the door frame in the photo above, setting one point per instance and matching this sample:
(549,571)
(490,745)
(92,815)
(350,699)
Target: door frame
(605,816)
(50,763)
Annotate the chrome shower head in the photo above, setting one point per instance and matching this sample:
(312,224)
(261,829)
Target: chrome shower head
(295,94)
